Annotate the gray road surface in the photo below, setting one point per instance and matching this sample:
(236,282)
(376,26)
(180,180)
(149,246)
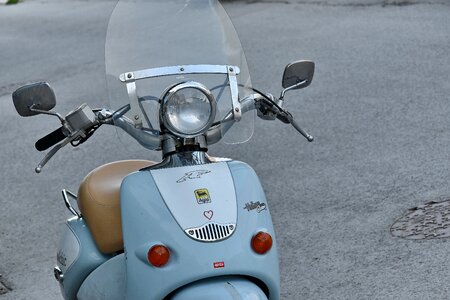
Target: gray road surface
(378,108)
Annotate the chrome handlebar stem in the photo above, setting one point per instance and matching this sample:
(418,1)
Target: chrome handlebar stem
(146,139)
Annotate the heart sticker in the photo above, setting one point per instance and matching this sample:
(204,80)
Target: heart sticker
(208,214)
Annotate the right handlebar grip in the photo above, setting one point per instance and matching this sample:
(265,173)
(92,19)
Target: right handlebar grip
(50,139)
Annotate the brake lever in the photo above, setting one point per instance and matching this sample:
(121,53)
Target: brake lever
(75,140)
(268,111)
(286,117)
(50,154)
(309,137)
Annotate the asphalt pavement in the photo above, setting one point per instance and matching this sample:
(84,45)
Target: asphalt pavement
(378,109)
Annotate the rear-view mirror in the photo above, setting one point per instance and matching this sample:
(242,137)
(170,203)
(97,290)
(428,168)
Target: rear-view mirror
(30,99)
(298,74)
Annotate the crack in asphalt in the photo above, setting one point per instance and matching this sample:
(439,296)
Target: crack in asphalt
(5,287)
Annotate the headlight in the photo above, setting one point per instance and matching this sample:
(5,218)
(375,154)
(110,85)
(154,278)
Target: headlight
(188,109)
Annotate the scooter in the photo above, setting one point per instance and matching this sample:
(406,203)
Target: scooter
(191,226)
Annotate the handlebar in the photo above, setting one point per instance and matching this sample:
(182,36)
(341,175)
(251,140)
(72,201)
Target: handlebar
(267,110)
(50,139)
(150,139)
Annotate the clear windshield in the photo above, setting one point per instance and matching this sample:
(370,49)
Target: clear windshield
(146,34)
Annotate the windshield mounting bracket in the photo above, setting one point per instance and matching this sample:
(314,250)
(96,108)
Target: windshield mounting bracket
(130,79)
(236,105)
(134,100)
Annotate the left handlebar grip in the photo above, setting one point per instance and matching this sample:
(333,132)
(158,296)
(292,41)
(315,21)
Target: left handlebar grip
(50,139)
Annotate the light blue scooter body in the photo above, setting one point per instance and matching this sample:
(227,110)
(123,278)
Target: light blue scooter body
(221,288)
(147,221)
(112,274)
(192,271)
(77,256)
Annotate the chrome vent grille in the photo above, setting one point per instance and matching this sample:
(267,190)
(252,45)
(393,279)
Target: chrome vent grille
(211,232)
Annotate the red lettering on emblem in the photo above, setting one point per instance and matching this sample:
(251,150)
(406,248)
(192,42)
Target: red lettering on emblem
(219,264)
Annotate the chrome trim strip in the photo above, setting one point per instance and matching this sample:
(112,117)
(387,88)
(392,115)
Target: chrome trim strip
(176,70)
(59,276)
(211,232)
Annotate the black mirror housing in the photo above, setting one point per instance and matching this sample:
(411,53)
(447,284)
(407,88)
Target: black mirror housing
(297,72)
(39,96)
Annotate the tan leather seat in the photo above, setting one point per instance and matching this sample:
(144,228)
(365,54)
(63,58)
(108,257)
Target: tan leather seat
(99,202)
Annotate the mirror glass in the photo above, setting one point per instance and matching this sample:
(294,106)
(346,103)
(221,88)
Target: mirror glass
(297,72)
(39,96)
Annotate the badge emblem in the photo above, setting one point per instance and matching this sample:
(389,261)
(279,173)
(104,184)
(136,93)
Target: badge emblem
(202,196)
(219,264)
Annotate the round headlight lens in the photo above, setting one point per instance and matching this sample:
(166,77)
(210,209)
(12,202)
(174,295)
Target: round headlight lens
(188,109)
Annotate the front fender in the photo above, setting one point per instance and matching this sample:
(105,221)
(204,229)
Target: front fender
(220,288)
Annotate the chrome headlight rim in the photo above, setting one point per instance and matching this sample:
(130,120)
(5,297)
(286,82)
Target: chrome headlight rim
(170,92)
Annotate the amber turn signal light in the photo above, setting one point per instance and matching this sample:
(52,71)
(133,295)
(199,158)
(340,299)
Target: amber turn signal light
(158,255)
(262,242)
